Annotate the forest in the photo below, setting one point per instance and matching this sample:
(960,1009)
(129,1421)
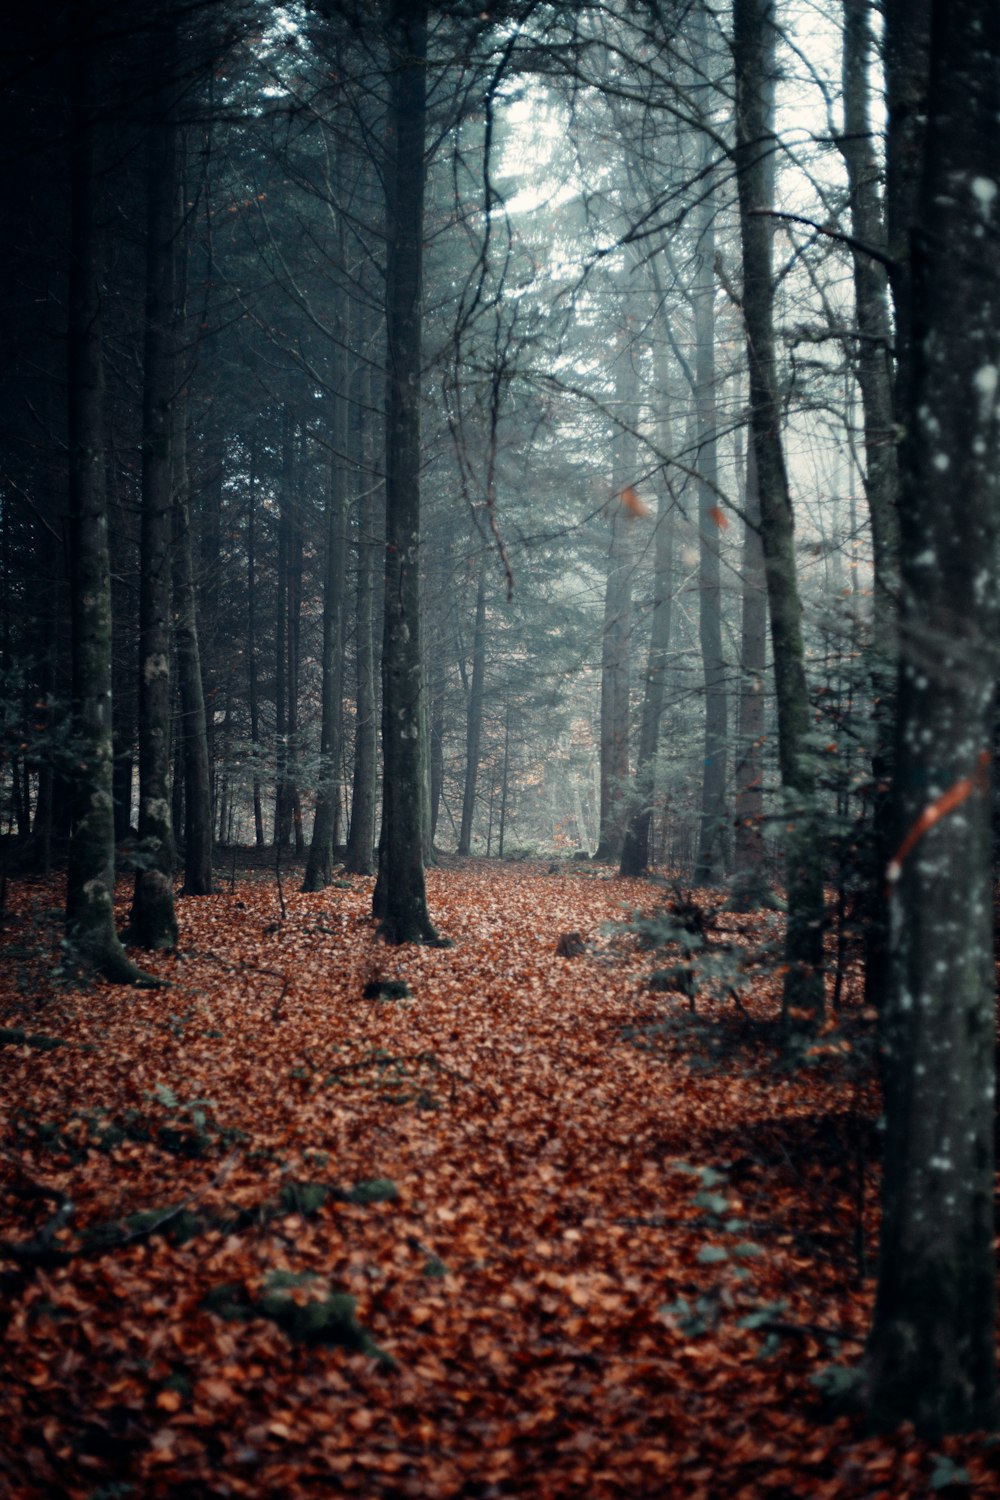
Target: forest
(499,514)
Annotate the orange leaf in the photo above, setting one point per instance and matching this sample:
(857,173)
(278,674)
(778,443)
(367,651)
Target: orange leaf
(719,516)
(631,504)
(935,811)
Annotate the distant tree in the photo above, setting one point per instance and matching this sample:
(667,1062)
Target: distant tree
(754,44)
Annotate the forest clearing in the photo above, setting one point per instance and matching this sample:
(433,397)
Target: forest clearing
(598,1240)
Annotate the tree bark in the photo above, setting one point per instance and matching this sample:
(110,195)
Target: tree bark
(361,835)
(400,899)
(873,370)
(252,688)
(616,637)
(474,715)
(932,1352)
(282,785)
(710,864)
(319,866)
(152,920)
(192,727)
(636,845)
(90,920)
(754,40)
(750,889)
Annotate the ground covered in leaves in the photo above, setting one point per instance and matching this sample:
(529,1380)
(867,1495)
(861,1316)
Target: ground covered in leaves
(323,1217)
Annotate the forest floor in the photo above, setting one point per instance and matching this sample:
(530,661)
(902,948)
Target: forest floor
(529,1228)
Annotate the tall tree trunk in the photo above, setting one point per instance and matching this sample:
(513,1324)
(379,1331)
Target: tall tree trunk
(754,40)
(710,864)
(282,786)
(252,688)
(750,889)
(873,363)
(932,1349)
(400,900)
(294,592)
(474,715)
(152,921)
(319,866)
(192,727)
(363,788)
(90,918)
(874,373)
(616,637)
(636,847)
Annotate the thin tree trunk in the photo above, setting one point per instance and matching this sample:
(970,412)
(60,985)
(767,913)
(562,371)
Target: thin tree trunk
(252,688)
(710,864)
(750,888)
(400,900)
(636,847)
(754,40)
(295,548)
(474,715)
(319,866)
(193,729)
(282,788)
(370,532)
(616,637)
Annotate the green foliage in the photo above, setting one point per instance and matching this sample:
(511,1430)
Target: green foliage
(377,1190)
(946,1473)
(330,1320)
(386,989)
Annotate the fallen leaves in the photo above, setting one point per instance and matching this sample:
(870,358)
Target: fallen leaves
(599,1270)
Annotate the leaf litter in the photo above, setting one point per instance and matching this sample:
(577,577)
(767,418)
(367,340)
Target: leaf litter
(325,1216)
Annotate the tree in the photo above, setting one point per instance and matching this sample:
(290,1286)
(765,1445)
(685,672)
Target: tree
(710,866)
(319,865)
(152,920)
(932,1349)
(400,899)
(754,40)
(90,925)
(636,845)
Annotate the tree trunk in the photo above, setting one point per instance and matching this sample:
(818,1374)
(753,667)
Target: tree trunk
(474,716)
(874,374)
(754,40)
(319,866)
(710,864)
(294,593)
(750,890)
(616,637)
(192,727)
(400,901)
(152,921)
(90,918)
(252,690)
(906,49)
(636,847)
(282,786)
(932,1350)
